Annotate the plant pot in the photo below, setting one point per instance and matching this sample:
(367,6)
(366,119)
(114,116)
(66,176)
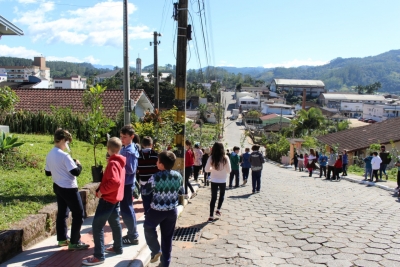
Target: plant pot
(97,173)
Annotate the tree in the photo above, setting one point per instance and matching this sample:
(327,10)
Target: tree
(8,99)
(202,111)
(368,89)
(308,120)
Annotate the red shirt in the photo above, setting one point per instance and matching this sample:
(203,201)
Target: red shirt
(113,182)
(338,164)
(189,158)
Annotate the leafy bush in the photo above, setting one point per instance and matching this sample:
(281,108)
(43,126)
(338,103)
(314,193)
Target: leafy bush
(8,142)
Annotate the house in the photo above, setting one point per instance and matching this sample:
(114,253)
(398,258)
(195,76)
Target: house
(378,112)
(357,140)
(273,108)
(33,82)
(351,109)
(273,119)
(104,76)
(248,102)
(164,76)
(334,100)
(22,73)
(275,127)
(7,28)
(313,87)
(74,82)
(113,100)
(3,75)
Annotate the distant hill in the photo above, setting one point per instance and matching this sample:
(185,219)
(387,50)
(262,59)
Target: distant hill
(98,66)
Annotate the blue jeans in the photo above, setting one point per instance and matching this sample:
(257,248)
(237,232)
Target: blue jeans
(234,173)
(128,213)
(256,180)
(167,221)
(368,171)
(245,173)
(68,199)
(382,169)
(106,211)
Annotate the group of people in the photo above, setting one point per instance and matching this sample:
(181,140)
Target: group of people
(160,187)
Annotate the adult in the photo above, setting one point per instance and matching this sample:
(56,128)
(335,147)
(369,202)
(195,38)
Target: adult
(323,160)
(219,167)
(345,162)
(245,164)
(197,165)
(331,165)
(189,162)
(385,157)
(64,170)
(311,162)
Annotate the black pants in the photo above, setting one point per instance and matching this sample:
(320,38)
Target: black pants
(234,173)
(196,172)
(188,172)
(214,193)
(374,174)
(345,169)
(245,173)
(398,178)
(331,169)
(337,173)
(322,169)
(68,199)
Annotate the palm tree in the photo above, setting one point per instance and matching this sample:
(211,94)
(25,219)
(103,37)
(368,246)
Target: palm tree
(308,120)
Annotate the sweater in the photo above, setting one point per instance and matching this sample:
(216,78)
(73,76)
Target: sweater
(323,160)
(235,160)
(256,161)
(220,175)
(246,160)
(147,165)
(189,158)
(345,159)
(376,163)
(368,164)
(339,164)
(166,186)
(130,152)
(112,184)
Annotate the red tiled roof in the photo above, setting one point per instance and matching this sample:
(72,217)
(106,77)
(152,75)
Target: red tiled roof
(42,99)
(268,117)
(362,137)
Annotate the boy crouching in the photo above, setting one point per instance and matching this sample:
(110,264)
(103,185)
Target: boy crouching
(166,186)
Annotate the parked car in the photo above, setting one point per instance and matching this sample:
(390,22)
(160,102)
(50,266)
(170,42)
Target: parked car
(360,119)
(371,121)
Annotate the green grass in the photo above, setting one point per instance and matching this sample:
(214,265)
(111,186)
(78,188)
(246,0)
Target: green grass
(24,191)
(354,169)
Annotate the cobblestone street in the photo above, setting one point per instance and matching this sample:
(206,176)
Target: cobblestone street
(294,221)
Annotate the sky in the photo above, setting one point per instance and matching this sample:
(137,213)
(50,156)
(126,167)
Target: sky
(251,33)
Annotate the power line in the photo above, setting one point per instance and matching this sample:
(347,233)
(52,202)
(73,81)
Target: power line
(195,40)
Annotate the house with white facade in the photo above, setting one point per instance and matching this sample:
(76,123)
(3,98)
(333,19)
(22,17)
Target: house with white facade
(248,102)
(351,109)
(334,100)
(164,76)
(3,75)
(74,82)
(274,108)
(22,73)
(313,87)
(379,112)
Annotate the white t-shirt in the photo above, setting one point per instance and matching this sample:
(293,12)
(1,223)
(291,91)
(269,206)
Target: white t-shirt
(376,163)
(59,163)
(219,176)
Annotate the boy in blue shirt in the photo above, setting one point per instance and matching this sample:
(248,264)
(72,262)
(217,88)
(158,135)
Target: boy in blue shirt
(323,160)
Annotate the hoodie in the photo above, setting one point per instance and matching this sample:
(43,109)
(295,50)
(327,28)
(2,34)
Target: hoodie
(113,182)
(256,160)
(131,153)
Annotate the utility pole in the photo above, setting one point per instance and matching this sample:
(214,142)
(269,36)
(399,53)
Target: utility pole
(181,15)
(156,79)
(127,96)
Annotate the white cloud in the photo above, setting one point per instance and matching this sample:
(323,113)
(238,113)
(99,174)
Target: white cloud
(296,63)
(27,1)
(99,25)
(23,52)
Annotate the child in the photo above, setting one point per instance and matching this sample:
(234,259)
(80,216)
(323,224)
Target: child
(306,161)
(338,167)
(368,167)
(147,166)
(245,164)
(301,163)
(235,161)
(166,187)
(256,161)
(130,151)
(376,165)
(110,192)
(204,159)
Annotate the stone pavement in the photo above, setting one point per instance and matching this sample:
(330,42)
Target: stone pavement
(294,221)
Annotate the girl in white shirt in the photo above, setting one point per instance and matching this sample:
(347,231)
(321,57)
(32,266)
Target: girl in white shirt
(219,167)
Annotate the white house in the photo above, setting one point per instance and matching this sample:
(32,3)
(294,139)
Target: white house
(351,109)
(248,102)
(268,108)
(74,82)
(22,73)
(333,100)
(379,112)
(3,75)
(313,87)
(239,95)
(163,77)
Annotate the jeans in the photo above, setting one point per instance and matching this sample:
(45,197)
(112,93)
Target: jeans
(68,199)
(128,213)
(322,169)
(256,180)
(245,173)
(167,221)
(368,171)
(106,211)
(331,169)
(188,172)
(382,169)
(146,199)
(337,173)
(344,169)
(374,174)
(214,193)
(196,172)
(234,173)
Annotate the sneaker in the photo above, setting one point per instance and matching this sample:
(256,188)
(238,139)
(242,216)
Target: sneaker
(127,241)
(92,261)
(63,243)
(244,182)
(79,246)
(111,250)
(211,219)
(193,195)
(218,213)
(155,257)
(387,177)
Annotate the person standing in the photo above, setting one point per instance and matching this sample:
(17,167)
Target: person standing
(219,167)
(235,162)
(204,159)
(368,167)
(323,160)
(385,157)
(331,165)
(295,160)
(345,159)
(257,160)
(197,165)
(311,162)
(338,167)
(189,162)
(166,186)
(246,165)
(64,170)
(301,163)
(376,165)
(130,152)
(110,192)
(306,161)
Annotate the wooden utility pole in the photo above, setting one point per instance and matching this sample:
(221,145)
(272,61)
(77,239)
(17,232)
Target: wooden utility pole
(181,11)
(156,78)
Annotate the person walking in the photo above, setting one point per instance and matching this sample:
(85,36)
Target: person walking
(189,162)
(345,159)
(219,167)
(376,165)
(235,162)
(204,159)
(257,160)
(130,152)
(331,165)
(246,165)
(197,165)
(323,160)
(385,157)
(368,167)
(295,161)
(338,167)
(311,162)
(110,192)
(301,163)
(306,161)
(64,170)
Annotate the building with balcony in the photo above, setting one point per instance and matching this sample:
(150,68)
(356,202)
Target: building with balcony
(22,73)
(351,109)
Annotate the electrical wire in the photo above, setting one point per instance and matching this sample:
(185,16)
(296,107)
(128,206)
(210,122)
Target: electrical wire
(195,40)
